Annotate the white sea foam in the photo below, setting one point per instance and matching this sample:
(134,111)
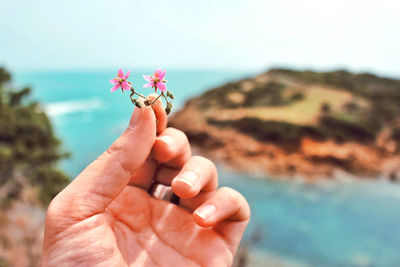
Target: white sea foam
(66,107)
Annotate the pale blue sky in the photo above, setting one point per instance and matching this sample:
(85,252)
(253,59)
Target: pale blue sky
(234,34)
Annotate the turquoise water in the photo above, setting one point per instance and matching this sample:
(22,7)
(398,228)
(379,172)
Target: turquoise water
(346,223)
(88,118)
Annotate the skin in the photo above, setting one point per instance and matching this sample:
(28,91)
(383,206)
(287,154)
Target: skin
(106,217)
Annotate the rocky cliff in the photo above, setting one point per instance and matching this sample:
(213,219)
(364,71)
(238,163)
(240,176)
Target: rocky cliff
(299,123)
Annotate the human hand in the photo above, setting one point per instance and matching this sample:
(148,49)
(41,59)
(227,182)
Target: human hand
(106,217)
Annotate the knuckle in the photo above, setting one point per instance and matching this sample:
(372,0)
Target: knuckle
(177,133)
(206,164)
(120,144)
(203,161)
(115,147)
(198,158)
(229,193)
(240,201)
(232,195)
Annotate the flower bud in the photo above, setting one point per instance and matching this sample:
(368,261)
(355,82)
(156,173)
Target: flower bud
(138,104)
(147,102)
(169,105)
(170,95)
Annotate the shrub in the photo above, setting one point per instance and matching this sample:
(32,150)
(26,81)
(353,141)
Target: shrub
(28,146)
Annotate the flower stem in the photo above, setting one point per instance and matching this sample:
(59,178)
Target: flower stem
(166,99)
(156,99)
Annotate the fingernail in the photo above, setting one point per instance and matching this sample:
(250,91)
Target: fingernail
(167,140)
(189,178)
(137,114)
(206,212)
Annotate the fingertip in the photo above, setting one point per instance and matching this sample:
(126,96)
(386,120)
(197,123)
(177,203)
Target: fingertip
(204,215)
(164,148)
(167,141)
(199,221)
(186,185)
(183,189)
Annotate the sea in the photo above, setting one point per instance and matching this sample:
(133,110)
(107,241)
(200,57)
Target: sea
(346,222)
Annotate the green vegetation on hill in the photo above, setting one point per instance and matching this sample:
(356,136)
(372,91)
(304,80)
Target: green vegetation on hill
(29,149)
(269,94)
(384,93)
(282,106)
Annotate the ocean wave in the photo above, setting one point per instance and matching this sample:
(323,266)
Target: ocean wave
(72,106)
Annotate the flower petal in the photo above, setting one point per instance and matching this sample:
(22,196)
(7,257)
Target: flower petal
(125,85)
(151,84)
(115,87)
(120,74)
(114,81)
(157,73)
(127,74)
(147,78)
(162,74)
(161,86)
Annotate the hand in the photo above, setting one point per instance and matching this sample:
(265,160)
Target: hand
(106,217)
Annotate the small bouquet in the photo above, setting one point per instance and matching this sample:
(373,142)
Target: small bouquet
(156,81)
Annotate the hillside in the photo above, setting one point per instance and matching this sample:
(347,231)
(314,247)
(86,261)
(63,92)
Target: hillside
(289,123)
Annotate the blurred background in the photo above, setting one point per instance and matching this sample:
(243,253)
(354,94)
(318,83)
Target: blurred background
(296,101)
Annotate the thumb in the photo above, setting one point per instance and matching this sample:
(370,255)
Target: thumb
(101,182)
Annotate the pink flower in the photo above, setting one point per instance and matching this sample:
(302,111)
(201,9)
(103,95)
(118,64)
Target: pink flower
(121,81)
(156,80)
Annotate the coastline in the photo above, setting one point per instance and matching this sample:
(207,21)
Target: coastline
(315,160)
(278,125)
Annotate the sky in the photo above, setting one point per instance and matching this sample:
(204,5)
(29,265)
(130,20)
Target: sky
(208,34)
